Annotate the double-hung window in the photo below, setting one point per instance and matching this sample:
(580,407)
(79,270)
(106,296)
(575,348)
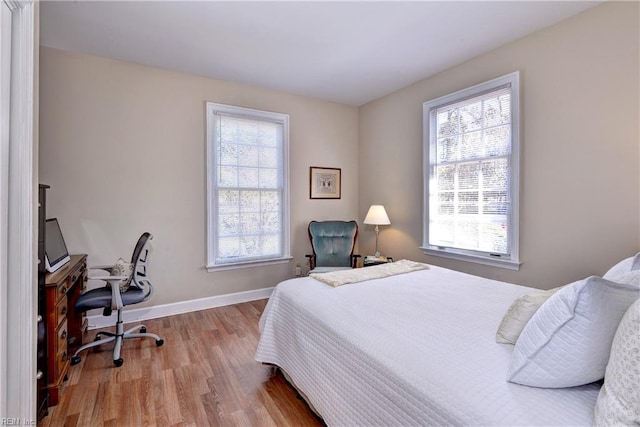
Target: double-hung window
(247,187)
(471,172)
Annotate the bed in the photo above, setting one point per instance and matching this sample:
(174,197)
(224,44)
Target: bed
(410,349)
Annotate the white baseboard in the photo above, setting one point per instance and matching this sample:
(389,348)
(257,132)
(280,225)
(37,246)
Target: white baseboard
(146,313)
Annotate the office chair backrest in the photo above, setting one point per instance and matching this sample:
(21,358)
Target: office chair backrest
(333,242)
(139,260)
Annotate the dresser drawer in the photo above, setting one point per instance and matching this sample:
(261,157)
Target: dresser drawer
(77,273)
(61,311)
(62,290)
(63,335)
(60,349)
(62,364)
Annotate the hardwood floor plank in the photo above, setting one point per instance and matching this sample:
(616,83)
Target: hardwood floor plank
(112,401)
(159,398)
(96,415)
(187,390)
(71,420)
(204,375)
(111,423)
(240,418)
(224,385)
(260,417)
(171,398)
(214,405)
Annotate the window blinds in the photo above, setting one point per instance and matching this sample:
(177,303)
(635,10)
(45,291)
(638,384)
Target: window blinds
(470,198)
(249,184)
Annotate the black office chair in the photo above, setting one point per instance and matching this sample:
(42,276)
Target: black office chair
(111,298)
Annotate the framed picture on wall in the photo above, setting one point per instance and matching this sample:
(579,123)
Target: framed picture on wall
(324,183)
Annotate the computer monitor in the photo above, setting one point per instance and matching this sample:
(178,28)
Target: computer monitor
(56,254)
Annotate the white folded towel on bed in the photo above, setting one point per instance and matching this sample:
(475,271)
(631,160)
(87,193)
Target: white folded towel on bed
(344,277)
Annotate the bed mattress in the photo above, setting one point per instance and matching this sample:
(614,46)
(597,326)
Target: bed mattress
(411,349)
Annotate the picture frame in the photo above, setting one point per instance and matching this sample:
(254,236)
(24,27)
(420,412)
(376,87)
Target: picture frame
(325,183)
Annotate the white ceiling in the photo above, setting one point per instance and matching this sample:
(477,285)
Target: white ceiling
(347,52)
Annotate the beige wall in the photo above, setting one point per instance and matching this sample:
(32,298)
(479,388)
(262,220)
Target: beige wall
(580,189)
(123,148)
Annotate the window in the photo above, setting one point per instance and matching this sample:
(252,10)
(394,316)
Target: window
(247,187)
(471,146)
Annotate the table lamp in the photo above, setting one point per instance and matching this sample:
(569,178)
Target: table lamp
(377,216)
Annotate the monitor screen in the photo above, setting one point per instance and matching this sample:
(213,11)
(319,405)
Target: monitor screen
(56,254)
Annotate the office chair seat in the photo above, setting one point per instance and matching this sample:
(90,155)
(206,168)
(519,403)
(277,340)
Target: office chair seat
(101,298)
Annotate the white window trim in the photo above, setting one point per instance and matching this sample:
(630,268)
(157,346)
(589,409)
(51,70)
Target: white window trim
(211,227)
(513,261)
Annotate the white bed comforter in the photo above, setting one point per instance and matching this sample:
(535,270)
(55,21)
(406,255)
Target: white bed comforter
(412,349)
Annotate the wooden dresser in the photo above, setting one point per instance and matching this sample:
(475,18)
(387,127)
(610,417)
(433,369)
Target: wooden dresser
(43,393)
(65,328)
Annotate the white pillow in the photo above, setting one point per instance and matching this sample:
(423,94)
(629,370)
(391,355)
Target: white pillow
(619,399)
(519,314)
(624,266)
(630,278)
(567,341)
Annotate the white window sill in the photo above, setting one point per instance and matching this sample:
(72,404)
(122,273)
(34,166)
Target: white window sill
(246,264)
(478,259)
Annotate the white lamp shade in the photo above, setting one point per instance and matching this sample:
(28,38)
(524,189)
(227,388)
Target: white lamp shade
(377,216)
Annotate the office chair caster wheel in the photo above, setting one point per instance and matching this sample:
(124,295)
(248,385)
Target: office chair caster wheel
(118,362)
(143,330)
(75,360)
(159,343)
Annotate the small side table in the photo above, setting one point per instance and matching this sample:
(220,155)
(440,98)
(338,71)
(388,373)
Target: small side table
(369,261)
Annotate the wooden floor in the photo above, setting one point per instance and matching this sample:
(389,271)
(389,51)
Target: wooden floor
(204,375)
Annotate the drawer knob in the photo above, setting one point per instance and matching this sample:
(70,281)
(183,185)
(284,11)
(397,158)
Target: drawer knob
(39,375)
(64,356)
(63,289)
(63,335)
(64,310)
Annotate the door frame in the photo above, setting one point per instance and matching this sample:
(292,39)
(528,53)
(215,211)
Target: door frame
(18,221)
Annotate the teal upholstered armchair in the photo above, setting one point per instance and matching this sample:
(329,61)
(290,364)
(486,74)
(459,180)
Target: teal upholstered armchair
(332,243)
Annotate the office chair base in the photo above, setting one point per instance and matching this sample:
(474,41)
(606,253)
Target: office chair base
(118,337)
